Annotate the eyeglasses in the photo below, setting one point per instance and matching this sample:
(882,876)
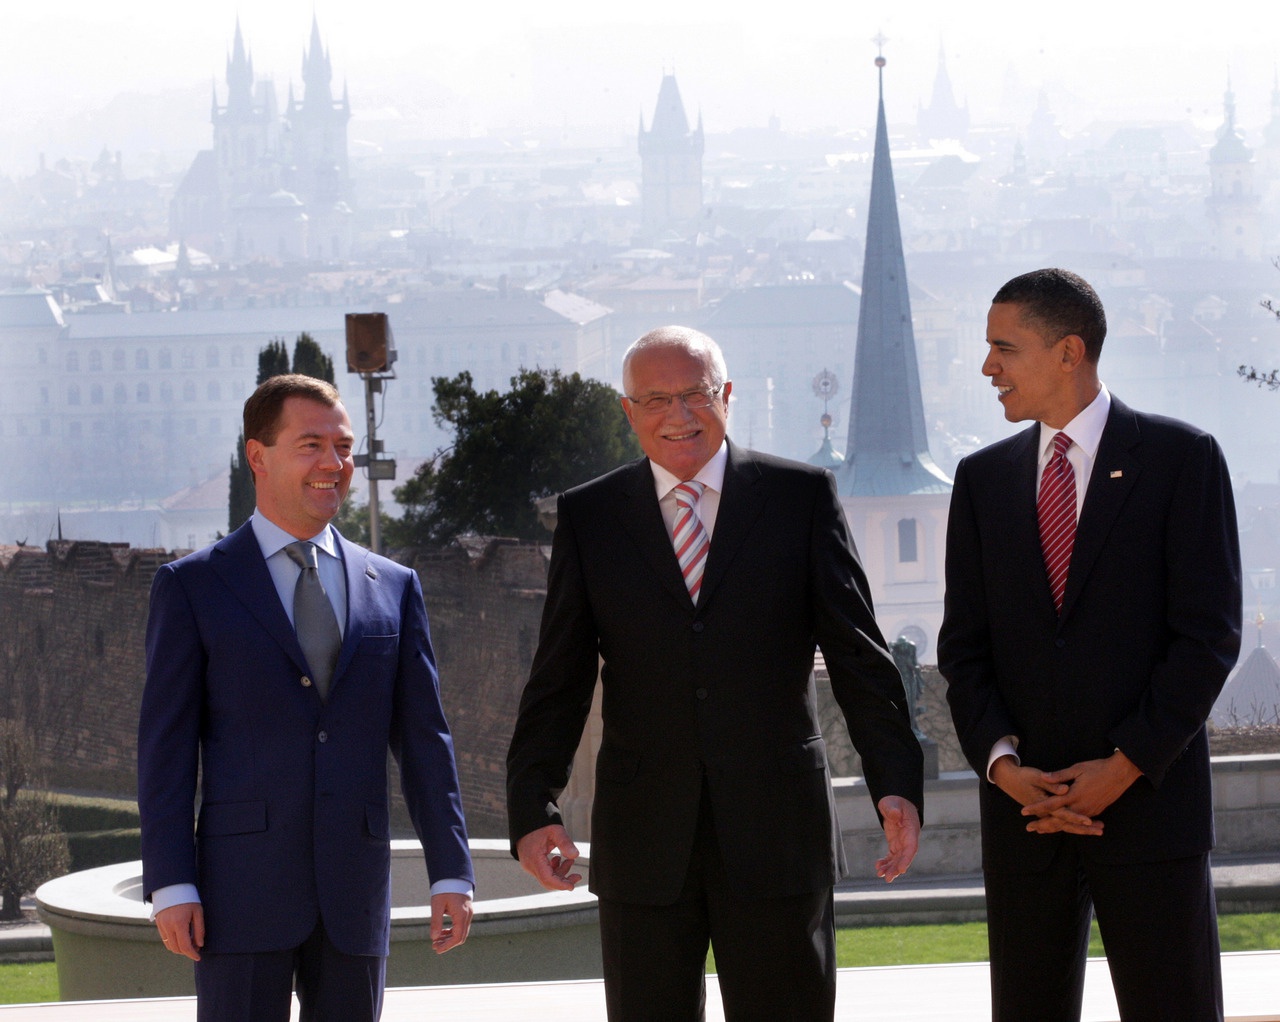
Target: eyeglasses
(699,397)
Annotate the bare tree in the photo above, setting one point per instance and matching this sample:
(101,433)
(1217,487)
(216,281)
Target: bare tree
(32,847)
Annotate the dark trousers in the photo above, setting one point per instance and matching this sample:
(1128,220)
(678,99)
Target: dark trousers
(1159,928)
(775,956)
(332,986)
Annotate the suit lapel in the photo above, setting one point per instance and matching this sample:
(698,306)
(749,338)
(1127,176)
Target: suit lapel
(642,519)
(238,561)
(1115,471)
(741,503)
(1021,519)
(361,577)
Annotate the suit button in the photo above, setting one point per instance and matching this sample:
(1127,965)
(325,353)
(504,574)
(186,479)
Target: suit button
(701,693)
(698,626)
(306,682)
(322,737)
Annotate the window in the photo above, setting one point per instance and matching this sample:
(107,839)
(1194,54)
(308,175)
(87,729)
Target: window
(118,361)
(95,361)
(141,360)
(907,547)
(144,393)
(213,391)
(95,394)
(120,394)
(211,357)
(189,394)
(73,361)
(165,358)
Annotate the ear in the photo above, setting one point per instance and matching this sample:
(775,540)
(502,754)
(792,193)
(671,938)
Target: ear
(629,412)
(1073,352)
(724,394)
(253,453)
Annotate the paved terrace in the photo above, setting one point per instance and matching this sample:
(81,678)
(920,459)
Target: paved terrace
(918,993)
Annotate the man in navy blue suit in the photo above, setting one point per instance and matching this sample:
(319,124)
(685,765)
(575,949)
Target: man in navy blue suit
(284,878)
(1092,614)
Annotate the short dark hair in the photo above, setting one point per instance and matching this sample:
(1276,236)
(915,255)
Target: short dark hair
(1056,303)
(265,405)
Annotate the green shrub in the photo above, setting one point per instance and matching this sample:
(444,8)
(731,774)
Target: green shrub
(90,849)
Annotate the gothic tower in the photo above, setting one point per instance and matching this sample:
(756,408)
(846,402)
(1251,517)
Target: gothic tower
(943,117)
(1233,204)
(246,131)
(894,496)
(317,154)
(670,164)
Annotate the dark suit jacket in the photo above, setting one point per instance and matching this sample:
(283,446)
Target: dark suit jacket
(293,818)
(1150,626)
(720,691)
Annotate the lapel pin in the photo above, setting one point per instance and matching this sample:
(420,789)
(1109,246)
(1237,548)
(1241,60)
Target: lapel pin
(1116,473)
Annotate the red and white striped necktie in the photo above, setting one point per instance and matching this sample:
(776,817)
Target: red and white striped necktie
(688,536)
(1056,510)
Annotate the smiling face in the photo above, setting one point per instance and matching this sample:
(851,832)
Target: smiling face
(678,438)
(303,477)
(1036,379)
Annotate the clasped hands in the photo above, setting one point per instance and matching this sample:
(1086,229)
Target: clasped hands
(1070,800)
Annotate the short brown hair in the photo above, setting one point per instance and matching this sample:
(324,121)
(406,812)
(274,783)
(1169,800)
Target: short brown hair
(265,405)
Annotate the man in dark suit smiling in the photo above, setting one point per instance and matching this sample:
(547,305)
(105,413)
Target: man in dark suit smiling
(702,575)
(1092,614)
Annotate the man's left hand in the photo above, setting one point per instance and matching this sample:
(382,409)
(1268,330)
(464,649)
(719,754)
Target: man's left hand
(1094,785)
(902,830)
(458,908)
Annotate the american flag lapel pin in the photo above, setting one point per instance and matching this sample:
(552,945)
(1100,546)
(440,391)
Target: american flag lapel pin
(1116,473)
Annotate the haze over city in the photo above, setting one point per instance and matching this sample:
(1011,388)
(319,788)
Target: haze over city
(506,67)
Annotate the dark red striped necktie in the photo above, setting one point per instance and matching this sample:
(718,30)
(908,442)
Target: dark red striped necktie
(1056,510)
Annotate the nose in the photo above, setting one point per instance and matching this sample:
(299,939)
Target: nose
(330,459)
(989,366)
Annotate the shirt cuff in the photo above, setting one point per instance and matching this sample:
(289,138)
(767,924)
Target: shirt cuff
(175,894)
(1007,746)
(452,887)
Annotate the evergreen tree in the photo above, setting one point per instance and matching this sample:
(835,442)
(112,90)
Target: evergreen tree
(547,433)
(273,360)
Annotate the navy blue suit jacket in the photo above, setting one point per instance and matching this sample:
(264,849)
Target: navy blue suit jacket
(293,820)
(1149,629)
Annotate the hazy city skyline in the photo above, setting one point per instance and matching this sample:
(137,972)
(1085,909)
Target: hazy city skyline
(502,67)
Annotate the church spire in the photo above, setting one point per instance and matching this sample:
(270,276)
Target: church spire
(888,448)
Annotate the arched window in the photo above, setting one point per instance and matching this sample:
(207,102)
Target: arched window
(144,393)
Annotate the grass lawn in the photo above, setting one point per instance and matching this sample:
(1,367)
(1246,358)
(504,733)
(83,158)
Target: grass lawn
(874,945)
(28,983)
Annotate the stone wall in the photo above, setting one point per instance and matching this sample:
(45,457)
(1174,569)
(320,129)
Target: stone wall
(73,621)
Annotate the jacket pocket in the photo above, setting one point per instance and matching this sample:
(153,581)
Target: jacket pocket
(378,820)
(811,754)
(221,818)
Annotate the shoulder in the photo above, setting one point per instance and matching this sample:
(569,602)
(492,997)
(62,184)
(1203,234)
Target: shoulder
(1161,434)
(620,480)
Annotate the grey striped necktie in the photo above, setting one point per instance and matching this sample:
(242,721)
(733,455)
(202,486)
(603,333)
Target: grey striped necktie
(313,618)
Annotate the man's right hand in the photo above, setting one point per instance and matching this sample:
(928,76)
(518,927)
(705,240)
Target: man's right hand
(182,929)
(547,854)
(1027,785)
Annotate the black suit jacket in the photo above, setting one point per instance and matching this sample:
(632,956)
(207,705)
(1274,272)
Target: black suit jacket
(1149,628)
(719,692)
